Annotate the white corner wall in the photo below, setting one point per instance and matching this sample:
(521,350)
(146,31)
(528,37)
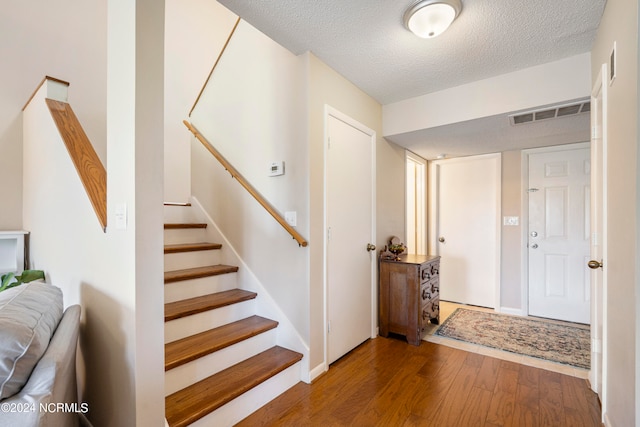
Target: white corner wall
(195,31)
(619,24)
(48,40)
(559,81)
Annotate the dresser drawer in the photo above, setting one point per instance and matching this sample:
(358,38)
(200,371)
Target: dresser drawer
(430,312)
(434,286)
(425,274)
(426,292)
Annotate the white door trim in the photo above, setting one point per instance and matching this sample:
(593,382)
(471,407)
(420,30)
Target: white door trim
(524,288)
(601,86)
(332,112)
(433,215)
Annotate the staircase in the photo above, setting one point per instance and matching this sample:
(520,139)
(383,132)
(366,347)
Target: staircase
(221,359)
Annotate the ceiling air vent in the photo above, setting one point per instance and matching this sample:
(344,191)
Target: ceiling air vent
(558,111)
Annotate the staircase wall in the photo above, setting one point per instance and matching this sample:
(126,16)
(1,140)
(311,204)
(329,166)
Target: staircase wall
(253,111)
(265,104)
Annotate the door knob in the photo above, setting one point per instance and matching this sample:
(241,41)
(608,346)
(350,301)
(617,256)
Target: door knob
(534,246)
(441,240)
(371,247)
(593,264)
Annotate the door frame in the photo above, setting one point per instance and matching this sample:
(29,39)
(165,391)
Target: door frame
(599,307)
(333,112)
(433,212)
(421,201)
(524,273)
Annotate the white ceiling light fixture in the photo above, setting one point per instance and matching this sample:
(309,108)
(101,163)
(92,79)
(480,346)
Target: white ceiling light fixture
(430,18)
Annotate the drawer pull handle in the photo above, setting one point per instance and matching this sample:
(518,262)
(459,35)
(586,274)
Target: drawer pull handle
(426,294)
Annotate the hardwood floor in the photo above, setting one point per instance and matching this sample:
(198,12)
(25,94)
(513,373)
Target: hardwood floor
(386,382)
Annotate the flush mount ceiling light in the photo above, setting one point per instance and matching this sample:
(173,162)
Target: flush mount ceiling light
(430,18)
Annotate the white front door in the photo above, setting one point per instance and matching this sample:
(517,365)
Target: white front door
(465,196)
(559,233)
(350,218)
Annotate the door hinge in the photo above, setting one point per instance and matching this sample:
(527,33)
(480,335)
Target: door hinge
(329,326)
(329,233)
(329,143)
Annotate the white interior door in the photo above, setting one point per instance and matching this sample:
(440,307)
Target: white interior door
(559,233)
(465,198)
(350,218)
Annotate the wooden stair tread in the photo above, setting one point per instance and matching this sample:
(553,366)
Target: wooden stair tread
(190,306)
(178,225)
(194,402)
(191,247)
(198,272)
(187,349)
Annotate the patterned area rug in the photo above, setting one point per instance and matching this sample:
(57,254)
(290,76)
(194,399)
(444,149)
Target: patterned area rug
(569,345)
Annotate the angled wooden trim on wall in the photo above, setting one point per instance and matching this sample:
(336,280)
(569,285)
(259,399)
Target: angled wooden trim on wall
(88,165)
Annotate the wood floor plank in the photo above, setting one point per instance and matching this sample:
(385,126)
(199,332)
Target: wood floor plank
(476,408)
(503,401)
(455,400)
(527,409)
(488,374)
(550,394)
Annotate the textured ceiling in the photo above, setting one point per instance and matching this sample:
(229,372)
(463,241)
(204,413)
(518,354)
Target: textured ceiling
(366,42)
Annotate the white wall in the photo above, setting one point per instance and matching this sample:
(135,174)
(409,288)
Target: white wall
(253,112)
(195,31)
(32,46)
(620,24)
(558,81)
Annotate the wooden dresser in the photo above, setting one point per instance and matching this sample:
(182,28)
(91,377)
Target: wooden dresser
(409,295)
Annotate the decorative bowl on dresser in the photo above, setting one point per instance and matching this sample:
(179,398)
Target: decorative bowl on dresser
(409,295)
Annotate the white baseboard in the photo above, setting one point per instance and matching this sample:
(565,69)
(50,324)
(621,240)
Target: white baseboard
(513,311)
(317,371)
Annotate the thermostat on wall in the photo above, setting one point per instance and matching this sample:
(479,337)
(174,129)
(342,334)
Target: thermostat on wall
(276,169)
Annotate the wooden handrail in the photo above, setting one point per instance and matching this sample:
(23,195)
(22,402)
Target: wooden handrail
(226,43)
(243,181)
(88,165)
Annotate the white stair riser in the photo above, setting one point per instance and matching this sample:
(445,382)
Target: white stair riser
(197,370)
(181,260)
(179,214)
(191,325)
(244,405)
(184,289)
(184,235)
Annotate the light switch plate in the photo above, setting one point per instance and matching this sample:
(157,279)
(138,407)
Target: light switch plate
(291,218)
(511,220)
(121,216)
